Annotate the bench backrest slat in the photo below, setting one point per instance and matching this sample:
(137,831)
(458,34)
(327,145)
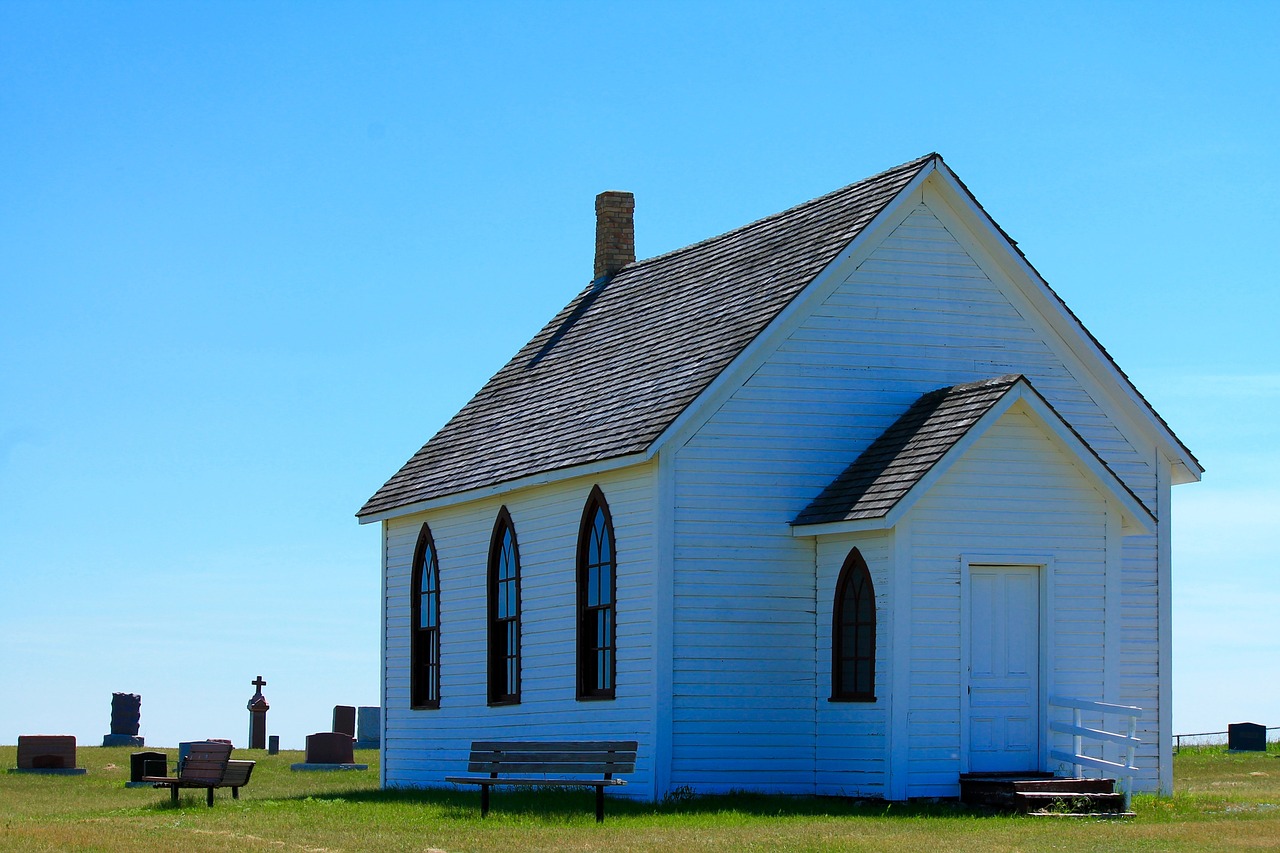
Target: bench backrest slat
(579,767)
(554,746)
(563,757)
(206,762)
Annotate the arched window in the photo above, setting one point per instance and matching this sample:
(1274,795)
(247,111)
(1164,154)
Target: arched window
(853,633)
(504,613)
(424,663)
(597,628)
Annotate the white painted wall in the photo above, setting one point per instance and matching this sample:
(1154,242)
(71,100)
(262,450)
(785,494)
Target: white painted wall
(918,313)
(1013,498)
(421,747)
(853,737)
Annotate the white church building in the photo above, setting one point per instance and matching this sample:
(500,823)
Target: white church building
(845,501)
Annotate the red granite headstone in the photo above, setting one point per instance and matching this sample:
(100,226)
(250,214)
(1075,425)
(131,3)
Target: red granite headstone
(330,748)
(46,752)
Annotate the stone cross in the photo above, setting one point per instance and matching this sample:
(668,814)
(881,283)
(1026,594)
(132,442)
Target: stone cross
(258,716)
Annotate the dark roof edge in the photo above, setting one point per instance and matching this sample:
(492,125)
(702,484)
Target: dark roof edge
(557,473)
(1096,455)
(916,164)
(1067,308)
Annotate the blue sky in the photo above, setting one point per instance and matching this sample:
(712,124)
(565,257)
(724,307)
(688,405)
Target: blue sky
(252,255)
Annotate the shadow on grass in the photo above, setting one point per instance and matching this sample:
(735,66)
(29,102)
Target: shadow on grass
(559,804)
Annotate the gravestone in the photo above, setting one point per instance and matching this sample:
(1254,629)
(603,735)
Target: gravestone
(368,727)
(1248,737)
(126,711)
(258,708)
(344,720)
(329,751)
(47,754)
(149,763)
(329,748)
(273,744)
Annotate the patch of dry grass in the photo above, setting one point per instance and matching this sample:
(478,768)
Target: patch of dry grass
(1224,802)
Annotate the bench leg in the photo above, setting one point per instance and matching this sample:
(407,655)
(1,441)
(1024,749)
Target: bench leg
(173,794)
(210,798)
(235,793)
(484,800)
(599,804)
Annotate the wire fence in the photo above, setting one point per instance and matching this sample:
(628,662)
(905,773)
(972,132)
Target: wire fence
(1213,738)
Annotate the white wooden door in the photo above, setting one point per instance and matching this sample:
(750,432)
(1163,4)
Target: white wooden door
(1004,668)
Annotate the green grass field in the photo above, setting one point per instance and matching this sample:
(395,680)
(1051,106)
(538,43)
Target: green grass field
(1222,802)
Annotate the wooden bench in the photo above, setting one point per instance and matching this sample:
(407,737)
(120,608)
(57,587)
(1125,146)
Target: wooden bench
(557,762)
(208,765)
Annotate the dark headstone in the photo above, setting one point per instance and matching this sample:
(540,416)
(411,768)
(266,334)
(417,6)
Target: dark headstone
(273,744)
(330,748)
(126,711)
(344,720)
(1249,737)
(147,764)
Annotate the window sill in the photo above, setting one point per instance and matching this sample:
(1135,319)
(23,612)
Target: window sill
(867,697)
(596,697)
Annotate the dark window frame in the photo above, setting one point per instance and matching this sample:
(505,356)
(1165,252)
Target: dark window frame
(504,653)
(589,649)
(424,642)
(854,578)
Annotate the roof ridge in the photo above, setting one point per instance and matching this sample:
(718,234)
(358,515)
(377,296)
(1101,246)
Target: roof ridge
(917,163)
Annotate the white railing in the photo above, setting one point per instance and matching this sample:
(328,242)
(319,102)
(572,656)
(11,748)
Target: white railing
(1079,733)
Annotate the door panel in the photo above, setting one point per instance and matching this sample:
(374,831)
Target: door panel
(1004,668)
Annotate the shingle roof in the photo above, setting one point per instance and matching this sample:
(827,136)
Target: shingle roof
(905,452)
(621,361)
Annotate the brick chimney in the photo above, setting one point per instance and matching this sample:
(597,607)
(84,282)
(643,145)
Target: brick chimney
(615,231)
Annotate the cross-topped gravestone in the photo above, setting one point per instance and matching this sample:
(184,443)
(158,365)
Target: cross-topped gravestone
(258,715)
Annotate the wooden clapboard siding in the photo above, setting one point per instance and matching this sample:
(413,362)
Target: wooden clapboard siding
(1068,523)
(1140,651)
(918,314)
(422,746)
(852,746)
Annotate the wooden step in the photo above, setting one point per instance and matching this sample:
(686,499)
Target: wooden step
(1075,786)
(1061,802)
(1040,793)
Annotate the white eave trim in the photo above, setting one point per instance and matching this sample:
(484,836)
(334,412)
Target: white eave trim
(1186,469)
(1136,519)
(506,487)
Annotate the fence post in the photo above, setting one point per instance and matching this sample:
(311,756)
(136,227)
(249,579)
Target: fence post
(1077,742)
